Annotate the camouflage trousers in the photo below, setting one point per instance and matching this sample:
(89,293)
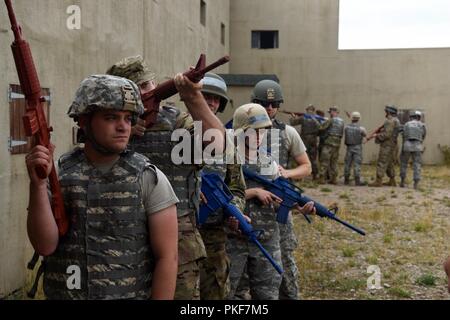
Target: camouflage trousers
(417,164)
(215,269)
(264,280)
(312,150)
(329,162)
(191,251)
(385,163)
(289,288)
(353,157)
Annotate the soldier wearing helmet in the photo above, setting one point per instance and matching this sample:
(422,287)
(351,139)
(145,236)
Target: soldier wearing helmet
(101,184)
(156,144)
(387,139)
(289,152)
(332,131)
(251,123)
(414,132)
(309,134)
(214,270)
(354,135)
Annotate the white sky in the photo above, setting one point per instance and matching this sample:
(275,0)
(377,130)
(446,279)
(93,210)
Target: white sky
(382,24)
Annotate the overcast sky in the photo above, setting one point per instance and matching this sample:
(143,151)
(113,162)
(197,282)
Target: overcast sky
(380,24)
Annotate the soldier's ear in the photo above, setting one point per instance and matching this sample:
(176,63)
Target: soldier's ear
(83,121)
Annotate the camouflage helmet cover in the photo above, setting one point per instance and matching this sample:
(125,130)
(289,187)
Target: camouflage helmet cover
(133,68)
(251,115)
(105,92)
(214,84)
(267,91)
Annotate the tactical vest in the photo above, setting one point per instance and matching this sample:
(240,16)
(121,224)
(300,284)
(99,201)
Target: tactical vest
(282,155)
(157,145)
(353,134)
(263,217)
(336,128)
(310,127)
(108,238)
(413,130)
(396,129)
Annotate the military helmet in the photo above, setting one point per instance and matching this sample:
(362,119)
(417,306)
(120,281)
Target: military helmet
(267,91)
(311,108)
(105,92)
(133,68)
(415,114)
(356,115)
(391,109)
(333,108)
(214,84)
(251,115)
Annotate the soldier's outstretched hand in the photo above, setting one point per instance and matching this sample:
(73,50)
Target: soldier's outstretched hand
(186,88)
(39,156)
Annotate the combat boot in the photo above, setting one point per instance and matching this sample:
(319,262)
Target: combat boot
(402,183)
(358,182)
(392,182)
(378,183)
(347,181)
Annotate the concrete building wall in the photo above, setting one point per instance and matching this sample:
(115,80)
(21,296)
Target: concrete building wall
(167,33)
(312,69)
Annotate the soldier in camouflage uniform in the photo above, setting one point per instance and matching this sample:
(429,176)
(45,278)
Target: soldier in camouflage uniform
(264,281)
(333,130)
(414,132)
(289,147)
(156,143)
(123,230)
(309,134)
(214,271)
(387,139)
(354,137)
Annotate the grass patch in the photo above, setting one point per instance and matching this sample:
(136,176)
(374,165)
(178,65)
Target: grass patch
(387,238)
(399,292)
(325,189)
(427,280)
(344,196)
(348,252)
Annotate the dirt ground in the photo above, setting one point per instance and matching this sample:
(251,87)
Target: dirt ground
(408,238)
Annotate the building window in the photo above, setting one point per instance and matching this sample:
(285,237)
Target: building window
(19,143)
(265,39)
(203,12)
(222,33)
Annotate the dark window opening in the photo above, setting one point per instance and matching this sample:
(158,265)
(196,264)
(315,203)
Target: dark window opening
(265,39)
(222,33)
(203,12)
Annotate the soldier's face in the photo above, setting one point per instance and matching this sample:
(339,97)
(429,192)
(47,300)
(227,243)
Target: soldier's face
(213,102)
(254,138)
(271,110)
(112,129)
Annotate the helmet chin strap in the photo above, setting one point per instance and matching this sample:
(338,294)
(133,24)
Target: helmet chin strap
(95,144)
